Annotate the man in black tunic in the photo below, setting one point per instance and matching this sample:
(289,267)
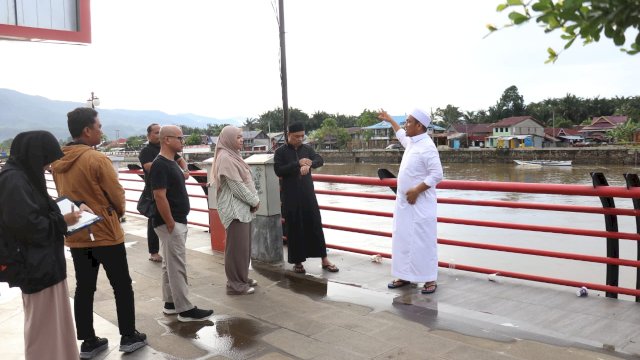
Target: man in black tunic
(293,164)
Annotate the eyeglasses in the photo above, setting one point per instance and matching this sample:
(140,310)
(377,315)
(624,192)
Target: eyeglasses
(181,138)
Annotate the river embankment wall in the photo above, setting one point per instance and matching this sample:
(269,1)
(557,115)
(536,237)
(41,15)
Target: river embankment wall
(579,156)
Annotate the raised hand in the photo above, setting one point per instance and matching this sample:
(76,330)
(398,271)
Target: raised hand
(384,116)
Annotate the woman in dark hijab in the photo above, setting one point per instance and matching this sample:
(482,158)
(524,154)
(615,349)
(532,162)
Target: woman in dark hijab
(29,216)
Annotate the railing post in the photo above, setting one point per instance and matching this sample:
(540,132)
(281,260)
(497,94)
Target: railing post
(633,181)
(611,224)
(216,229)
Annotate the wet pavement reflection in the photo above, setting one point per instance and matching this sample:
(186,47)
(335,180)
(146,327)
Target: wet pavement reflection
(406,303)
(229,336)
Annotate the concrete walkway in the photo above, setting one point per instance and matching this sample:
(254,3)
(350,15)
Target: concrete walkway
(350,314)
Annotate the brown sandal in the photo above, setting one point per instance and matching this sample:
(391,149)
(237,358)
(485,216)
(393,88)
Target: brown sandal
(397,283)
(429,287)
(155,257)
(299,269)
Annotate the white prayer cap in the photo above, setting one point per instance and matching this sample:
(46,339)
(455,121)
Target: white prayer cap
(421,116)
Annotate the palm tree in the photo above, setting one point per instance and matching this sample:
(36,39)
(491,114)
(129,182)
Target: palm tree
(469,116)
(249,123)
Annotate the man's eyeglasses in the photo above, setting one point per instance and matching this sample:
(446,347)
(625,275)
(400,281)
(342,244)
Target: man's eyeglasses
(180,138)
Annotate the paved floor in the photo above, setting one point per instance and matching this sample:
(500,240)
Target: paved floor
(351,315)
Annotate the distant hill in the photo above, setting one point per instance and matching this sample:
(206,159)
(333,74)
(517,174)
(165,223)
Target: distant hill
(21,112)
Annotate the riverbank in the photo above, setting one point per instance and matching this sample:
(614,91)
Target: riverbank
(579,156)
(603,155)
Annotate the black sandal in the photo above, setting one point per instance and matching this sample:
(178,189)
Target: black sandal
(299,269)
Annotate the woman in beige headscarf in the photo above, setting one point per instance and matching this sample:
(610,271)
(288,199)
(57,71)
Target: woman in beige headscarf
(237,203)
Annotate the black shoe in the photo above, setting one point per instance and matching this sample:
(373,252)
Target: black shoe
(131,343)
(194,314)
(169,309)
(90,348)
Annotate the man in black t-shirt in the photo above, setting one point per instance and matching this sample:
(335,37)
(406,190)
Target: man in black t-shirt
(146,157)
(170,223)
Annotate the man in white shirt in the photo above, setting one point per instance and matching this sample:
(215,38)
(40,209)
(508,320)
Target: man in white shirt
(414,242)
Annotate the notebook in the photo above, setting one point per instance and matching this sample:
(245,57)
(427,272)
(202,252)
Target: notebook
(86,218)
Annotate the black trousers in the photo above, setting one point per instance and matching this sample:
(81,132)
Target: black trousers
(152,239)
(86,262)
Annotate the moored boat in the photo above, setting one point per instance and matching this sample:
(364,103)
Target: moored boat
(543,162)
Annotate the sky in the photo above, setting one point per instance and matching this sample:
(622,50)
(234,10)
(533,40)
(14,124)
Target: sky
(221,58)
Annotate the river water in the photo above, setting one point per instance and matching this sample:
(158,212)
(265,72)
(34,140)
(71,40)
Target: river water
(567,269)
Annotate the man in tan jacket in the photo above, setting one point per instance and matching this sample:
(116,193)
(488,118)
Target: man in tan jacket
(87,176)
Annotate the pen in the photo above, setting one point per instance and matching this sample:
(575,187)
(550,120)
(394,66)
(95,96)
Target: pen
(72,208)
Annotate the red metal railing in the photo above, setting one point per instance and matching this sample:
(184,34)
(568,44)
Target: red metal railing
(195,196)
(140,172)
(555,189)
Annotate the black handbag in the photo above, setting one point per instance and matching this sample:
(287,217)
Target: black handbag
(146,204)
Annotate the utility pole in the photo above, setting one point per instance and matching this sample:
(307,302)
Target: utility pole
(283,68)
(553,124)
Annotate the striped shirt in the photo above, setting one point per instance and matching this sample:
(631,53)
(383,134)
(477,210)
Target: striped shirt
(235,201)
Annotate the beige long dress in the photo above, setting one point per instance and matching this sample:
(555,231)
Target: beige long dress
(49,332)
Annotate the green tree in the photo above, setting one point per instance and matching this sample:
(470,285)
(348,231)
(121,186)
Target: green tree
(6,144)
(193,139)
(330,130)
(135,142)
(250,124)
(188,130)
(631,108)
(346,121)
(623,133)
(315,121)
(450,114)
(586,20)
(367,118)
(469,117)
(511,103)
(274,120)
(563,123)
(214,129)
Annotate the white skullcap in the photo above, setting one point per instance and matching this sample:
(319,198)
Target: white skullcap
(421,116)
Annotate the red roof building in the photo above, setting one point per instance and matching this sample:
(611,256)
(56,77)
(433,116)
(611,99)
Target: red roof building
(600,125)
(556,132)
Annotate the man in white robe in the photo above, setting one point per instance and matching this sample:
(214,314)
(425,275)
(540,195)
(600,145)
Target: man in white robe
(414,244)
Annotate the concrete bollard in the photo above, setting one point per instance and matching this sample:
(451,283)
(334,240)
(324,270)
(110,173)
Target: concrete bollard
(266,229)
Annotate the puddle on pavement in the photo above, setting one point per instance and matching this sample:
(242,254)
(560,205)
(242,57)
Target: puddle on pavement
(229,336)
(321,289)
(425,310)
(375,300)
(313,288)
